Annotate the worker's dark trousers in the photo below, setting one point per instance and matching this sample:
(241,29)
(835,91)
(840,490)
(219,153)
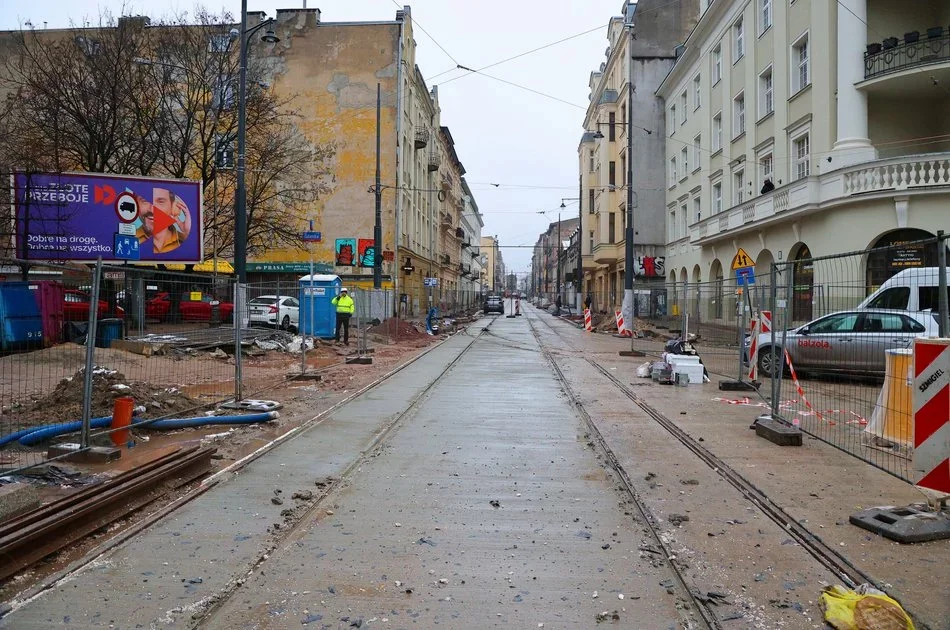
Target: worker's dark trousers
(343,320)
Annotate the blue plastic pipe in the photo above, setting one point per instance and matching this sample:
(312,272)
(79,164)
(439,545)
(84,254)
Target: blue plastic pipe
(203,421)
(35,435)
(40,434)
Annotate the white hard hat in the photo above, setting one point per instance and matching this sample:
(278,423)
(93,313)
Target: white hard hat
(343,290)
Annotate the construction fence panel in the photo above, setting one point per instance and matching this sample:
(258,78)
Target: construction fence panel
(839,362)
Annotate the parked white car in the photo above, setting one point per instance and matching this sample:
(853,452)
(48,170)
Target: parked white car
(850,341)
(279,311)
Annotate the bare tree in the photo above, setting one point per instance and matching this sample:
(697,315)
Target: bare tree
(161,101)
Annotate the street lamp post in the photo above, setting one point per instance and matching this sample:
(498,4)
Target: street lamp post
(240,209)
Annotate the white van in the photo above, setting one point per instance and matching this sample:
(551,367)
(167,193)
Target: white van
(910,290)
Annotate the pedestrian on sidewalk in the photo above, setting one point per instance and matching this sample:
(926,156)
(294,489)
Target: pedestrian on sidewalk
(344,310)
(588,301)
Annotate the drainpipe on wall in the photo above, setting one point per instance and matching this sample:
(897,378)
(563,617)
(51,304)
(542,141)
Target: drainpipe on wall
(397,229)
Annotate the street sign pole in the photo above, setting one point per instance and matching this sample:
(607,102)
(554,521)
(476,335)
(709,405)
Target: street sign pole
(744,267)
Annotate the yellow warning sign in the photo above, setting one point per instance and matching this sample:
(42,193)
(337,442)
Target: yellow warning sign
(741,260)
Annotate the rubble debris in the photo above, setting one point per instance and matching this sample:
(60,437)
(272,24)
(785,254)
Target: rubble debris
(677,519)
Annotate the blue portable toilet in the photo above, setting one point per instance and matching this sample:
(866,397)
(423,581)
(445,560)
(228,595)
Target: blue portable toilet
(317,315)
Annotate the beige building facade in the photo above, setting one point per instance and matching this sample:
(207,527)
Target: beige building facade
(852,132)
(625,113)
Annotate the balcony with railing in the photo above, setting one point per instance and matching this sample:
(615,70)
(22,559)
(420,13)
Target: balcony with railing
(904,175)
(914,50)
(422,138)
(435,161)
(608,253)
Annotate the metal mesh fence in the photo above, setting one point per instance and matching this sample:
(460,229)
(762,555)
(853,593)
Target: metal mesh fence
(840,356)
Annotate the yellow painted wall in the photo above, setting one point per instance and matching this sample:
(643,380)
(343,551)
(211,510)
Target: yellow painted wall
(331,71)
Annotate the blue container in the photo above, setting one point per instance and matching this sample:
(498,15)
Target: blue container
(317,314)
(107,330)
(21,323)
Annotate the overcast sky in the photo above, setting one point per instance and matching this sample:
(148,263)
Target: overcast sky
(504,135)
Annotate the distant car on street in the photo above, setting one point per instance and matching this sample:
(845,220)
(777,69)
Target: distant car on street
(76,306)
(851,342)
(160,306)
(494,304)
(279,311)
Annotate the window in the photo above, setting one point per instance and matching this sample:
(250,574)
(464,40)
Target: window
(697,92)
(623,117)
(927,298)
(611,127)
(738,108)
(766,95)
(800,72)
(717,198)
(738,32)
(834,324)
(738,187)
(766,167)
(717,64)
(717,132)
(672,171)
(683,108)
(683,231)
(224,92)
(591,242)
(612,227)
(671,227)
(765,15)
(612,174)
(684,158)
(802,156)
(697,147)
(590,201)
(590,166)
(672,120)
(697,209)
(219,43)
(623,169)
(893,298)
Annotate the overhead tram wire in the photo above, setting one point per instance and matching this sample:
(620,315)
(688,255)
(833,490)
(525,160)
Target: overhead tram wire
(415,22)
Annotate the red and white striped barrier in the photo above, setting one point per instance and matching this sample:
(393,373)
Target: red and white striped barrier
(588,326)
(801,392)
(621,325)
(932,414)
(760,324)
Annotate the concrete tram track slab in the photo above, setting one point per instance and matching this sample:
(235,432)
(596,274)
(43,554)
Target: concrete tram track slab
(415,539)
(178,567)
(818,485)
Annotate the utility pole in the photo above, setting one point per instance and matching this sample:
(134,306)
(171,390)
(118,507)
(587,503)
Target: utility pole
(628,231)
(378,228)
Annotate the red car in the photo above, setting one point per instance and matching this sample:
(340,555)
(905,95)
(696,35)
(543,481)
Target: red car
(76,306)
(160,306)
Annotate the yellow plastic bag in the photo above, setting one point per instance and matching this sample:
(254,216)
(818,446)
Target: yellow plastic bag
(864,609)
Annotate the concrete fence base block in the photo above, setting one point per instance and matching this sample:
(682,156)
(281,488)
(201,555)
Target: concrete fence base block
(632,353)
(908,524)
(777,432)
(94,455)
(359,360)
(737,386)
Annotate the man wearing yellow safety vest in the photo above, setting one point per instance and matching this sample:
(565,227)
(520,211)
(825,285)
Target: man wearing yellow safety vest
(344,310)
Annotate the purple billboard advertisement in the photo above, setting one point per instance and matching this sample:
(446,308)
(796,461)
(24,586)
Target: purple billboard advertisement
(82,216)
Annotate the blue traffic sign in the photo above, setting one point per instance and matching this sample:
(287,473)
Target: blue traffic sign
(312,237)
(126,247)
(745,276)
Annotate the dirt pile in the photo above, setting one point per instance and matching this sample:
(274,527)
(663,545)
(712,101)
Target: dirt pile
(397,329)
(64,403)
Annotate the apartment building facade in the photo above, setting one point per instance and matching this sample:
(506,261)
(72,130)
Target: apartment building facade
(623,135)
(326,73)
(493,265)
(842,107)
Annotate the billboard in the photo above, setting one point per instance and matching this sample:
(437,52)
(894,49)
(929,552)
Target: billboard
(81,216)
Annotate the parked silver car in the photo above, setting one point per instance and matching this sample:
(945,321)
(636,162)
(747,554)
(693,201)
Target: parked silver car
(280,311)
(849,341)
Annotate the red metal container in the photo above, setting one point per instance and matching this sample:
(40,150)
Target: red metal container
(49,297)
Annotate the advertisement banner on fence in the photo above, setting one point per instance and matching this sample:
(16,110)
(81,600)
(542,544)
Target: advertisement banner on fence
(81,216)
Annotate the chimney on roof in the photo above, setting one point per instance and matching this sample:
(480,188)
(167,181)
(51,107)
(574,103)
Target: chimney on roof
(299,18)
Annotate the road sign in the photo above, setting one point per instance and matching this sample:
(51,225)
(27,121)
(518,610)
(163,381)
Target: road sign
(742,259)
(312,237)
(127,228)
(127,207)
(431,282)
(745,276)
(126,247)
